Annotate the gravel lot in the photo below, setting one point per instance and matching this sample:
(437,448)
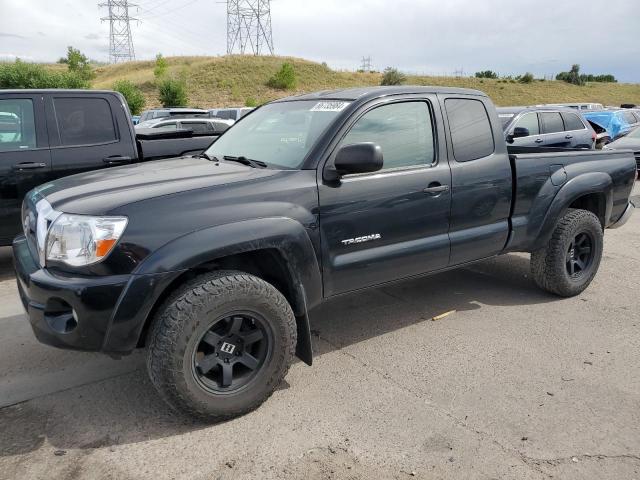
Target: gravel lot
(514,384)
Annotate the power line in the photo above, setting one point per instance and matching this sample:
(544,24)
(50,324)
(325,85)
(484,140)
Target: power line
(120,41)
(249,25)
(366,64)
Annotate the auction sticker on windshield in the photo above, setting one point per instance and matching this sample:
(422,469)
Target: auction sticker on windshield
(329,106)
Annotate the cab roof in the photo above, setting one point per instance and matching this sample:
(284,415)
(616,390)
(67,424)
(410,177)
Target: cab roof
(369,93)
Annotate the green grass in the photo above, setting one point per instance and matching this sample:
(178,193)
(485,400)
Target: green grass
(231,80)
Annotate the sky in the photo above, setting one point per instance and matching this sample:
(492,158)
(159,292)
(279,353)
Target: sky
(417,36)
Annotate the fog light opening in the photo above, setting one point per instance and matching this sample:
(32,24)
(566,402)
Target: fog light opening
(60,316)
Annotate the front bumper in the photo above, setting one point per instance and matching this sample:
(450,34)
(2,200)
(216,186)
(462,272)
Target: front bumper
(626,215)
(98,313)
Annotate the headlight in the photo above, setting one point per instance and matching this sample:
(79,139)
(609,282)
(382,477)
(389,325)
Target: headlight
(79,240)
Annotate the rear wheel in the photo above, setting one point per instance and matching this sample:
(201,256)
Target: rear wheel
(570,260)
(221,345)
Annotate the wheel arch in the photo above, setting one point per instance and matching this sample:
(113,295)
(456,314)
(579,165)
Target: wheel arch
(278,250)
(590,191)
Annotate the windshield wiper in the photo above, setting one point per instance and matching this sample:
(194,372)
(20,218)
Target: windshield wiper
(246,161)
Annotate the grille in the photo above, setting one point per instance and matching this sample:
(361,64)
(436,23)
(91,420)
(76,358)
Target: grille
(637,155)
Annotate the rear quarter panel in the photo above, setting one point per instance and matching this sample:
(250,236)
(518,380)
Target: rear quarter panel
(548,183)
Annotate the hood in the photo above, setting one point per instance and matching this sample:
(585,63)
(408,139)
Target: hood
(100,191)
(626,142)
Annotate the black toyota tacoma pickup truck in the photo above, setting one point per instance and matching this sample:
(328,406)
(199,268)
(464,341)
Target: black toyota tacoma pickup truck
(214,262)
(48,134)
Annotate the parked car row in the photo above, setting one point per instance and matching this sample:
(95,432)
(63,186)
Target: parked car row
(582,125)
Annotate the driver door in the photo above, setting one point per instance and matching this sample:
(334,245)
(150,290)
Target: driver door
(391,224)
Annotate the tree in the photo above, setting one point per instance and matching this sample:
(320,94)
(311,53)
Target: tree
(487,74)
(391,76)
(161,67)
(79,64)
(172,92)
(526,78)
(283,79)
(572,76)
(132,94)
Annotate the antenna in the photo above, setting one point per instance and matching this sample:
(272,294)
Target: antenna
(366,64)
(120,42)
(249,26)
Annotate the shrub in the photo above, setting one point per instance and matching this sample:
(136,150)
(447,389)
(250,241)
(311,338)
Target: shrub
(487,74)
(172,92)
(526,78)
(29,75)
(251,102)
(284,79)
(132,94)
(161,67)
(392,76)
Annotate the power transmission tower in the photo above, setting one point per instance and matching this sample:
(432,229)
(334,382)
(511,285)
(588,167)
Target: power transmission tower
(249,26)
(366,64)
(120,42)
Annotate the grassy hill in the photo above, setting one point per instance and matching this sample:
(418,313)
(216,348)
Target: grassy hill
(232,80)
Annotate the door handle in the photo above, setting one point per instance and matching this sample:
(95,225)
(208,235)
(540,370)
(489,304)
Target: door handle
(568,137)
(436,189)
(29,166)
(116,159)
(539,140)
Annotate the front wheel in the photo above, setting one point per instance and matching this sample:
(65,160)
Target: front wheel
(568,263)
(221,345)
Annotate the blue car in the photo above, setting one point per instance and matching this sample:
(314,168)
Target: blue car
(617,123)
(135,119)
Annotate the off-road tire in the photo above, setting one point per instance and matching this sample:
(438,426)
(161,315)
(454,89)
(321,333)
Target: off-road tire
(549,264)
(185,316)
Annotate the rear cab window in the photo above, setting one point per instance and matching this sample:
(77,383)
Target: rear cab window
(17,125)
(470,127)
(84,121)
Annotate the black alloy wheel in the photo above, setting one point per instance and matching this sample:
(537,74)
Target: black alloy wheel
(579,255)
(231,352)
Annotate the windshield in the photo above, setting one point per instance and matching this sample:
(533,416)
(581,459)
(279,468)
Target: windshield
(278,134)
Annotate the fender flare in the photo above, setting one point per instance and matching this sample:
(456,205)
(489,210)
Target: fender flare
(584,184)
(289,237)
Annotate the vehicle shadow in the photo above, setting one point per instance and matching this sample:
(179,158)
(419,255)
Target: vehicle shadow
(126,409)
(6,263)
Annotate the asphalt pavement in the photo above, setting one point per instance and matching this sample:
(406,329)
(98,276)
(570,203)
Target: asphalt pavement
(473,373)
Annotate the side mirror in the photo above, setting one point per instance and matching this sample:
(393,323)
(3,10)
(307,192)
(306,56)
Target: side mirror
(519,132)
(355,158)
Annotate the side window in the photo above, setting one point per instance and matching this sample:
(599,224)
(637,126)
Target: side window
(84,121)
(197,127)
(551,122)
(530,122)
(404,131)
(471,132)
(167,126)
(629,117)
(572,122)
(17,125)
(161,114)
